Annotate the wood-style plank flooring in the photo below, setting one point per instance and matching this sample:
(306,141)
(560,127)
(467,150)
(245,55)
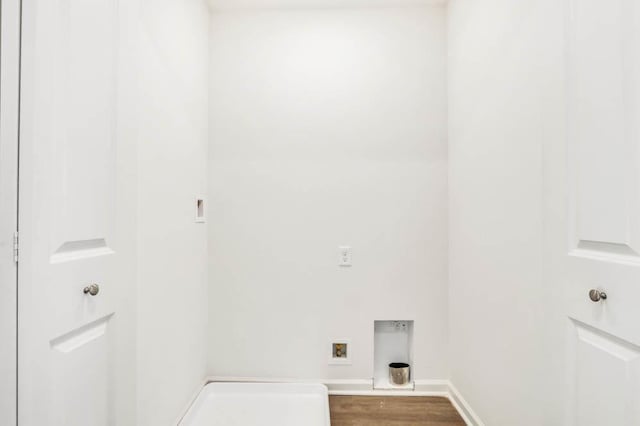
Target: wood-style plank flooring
(392,411)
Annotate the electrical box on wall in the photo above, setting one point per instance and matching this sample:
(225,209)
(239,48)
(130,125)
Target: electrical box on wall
(393,343)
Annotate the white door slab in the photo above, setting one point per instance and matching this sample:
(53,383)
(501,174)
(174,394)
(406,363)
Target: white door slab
(603,97)
(67,212)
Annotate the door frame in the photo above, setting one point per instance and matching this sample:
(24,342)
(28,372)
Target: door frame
(10,25)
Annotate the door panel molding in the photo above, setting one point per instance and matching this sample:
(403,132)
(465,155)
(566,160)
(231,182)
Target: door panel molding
(81,336)
(83,249)
(605,379)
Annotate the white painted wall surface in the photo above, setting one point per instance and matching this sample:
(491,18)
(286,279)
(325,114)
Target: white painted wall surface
(9,113)
(226,5)
(506,110)
(327,128)
(126,244)
(172,303)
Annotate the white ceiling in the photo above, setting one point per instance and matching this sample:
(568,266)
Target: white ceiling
(309,4)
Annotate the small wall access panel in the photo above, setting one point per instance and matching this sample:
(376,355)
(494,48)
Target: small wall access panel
(340,352)
(393,341)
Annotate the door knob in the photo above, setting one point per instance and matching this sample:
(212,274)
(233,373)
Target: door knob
(92,289)
(597,295)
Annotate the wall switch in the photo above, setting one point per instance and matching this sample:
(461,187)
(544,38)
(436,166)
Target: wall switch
(344,256)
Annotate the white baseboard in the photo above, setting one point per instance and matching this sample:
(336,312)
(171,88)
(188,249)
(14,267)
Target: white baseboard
(463,407)
(434,387)
(364,387)
(191,401)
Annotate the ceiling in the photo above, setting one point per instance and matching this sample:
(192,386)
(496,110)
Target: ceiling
(221,5)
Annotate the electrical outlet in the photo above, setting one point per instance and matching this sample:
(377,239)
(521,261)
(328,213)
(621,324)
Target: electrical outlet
(344,253)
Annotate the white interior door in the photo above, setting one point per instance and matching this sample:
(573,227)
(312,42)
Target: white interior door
(67,212)
(604,211)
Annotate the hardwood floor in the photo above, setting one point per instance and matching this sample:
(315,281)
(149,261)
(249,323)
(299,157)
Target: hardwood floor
(392,411)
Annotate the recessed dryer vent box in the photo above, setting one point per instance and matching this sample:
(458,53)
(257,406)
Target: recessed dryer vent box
(200,217)
(393,342)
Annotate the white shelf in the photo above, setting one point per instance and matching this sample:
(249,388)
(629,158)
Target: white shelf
(382,383)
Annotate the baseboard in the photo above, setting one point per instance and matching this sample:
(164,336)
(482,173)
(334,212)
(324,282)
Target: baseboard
(337,387)
(464,409)
(434,387)
(364,387)
(191,401)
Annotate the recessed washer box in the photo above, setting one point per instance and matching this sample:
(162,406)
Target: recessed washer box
(340,352)
(393,343)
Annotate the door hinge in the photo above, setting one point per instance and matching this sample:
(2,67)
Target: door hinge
(16,246)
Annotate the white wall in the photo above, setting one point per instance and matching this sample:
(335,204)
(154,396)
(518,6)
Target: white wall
(506,110)
(172,139)
(327,128)
(9,100)
(124,324)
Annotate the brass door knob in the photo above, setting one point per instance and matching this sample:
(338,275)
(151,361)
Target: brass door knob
(597,295)
(92,289)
